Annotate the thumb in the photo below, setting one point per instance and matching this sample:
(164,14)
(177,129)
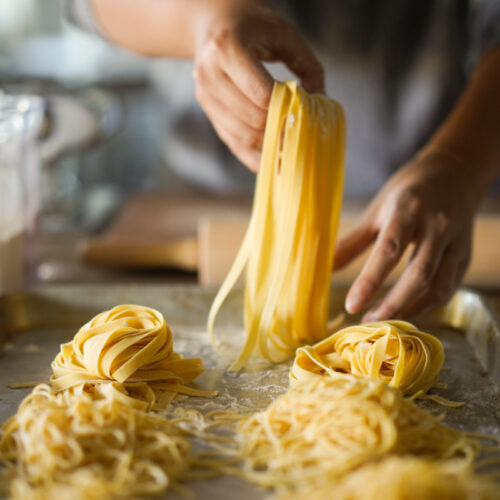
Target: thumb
(351,245)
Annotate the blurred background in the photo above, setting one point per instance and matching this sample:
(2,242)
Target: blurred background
(91,181)
(98,135)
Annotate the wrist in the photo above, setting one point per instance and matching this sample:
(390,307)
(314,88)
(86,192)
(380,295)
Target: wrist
(217,17)
(479,179)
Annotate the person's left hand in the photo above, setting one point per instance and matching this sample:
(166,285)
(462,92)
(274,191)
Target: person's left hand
(429,203)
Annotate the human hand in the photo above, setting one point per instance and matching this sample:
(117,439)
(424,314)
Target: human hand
(232,85)
(429,203)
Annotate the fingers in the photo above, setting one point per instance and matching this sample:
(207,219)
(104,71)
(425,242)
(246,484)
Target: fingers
(247,73)
(238,136)
(233,86)
(448,277)
(299,58)
(249,157)
(238,121)
(216,83)
(234,90)
(417,279)
(391,243)
(351,245)
(441,289)
(227,121)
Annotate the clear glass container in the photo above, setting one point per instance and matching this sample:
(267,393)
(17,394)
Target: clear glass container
(20,122)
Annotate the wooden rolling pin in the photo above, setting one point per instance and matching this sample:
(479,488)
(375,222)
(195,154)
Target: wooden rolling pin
(158,230)
(180,253)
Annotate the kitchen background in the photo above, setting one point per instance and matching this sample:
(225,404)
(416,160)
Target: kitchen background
(100,198)
(99,138)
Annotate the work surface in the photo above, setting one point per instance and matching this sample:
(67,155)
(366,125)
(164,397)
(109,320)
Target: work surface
(33,325)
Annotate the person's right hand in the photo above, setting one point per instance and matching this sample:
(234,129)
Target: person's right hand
(232,85)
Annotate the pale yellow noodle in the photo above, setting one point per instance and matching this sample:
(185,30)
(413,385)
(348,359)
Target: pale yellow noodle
(289,245)
(130,349)
(90,436)
(324,435)
(394,352)
(323,428)
(62,445)
(397,478)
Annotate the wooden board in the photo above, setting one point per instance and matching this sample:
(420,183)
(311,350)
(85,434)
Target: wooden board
(154,230)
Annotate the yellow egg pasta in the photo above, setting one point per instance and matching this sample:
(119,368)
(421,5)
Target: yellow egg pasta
(129,347)
(81,446)
(404,478)
(95,439)
(324,428)
(288,249)
(90,436)
(394,352)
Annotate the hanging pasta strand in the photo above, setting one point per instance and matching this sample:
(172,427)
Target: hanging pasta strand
(288,249)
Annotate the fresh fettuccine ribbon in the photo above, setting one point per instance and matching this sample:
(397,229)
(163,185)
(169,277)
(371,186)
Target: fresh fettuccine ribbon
(131,346)
(394,352)
(289,245)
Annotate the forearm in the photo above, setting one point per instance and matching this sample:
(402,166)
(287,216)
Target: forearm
(162,28)
(472,131)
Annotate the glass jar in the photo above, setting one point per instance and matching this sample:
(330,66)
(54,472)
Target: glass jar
(20,122)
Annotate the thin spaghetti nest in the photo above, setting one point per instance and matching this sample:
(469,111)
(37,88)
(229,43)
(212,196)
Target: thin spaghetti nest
(89,446)
(398,478)
(323,428)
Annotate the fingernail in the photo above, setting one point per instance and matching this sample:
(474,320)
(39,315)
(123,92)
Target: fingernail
(352,302)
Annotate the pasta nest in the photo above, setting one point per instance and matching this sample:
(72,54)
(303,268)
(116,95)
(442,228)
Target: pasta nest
(130,345)
(408,478)
(394,352)
(74,445)
(323,428)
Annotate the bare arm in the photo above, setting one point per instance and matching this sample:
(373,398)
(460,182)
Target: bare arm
(430,203)
(228,40)
(163,28)
(472,130)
